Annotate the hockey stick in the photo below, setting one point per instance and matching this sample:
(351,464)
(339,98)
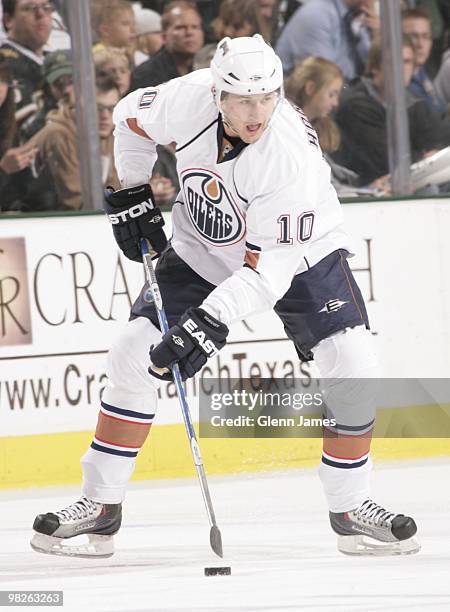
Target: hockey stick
(215,537)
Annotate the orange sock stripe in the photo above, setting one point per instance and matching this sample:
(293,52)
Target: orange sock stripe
(121,433)
(346,447)
(114,443)
(108,416)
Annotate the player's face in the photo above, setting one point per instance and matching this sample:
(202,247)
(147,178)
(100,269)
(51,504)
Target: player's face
(326,99)
(419,31)
(248,116)
(31,23)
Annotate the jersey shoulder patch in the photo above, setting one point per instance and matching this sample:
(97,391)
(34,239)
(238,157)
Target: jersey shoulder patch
(147,98)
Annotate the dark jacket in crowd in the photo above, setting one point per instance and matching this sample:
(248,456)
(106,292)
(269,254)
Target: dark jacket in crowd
(362,118)
(27,75)
(36,121)
(156,70)
(13,188)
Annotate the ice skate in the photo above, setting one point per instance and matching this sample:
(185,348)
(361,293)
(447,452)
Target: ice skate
(372,530)
(99,522)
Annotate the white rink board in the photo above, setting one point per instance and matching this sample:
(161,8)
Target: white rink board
(79,296)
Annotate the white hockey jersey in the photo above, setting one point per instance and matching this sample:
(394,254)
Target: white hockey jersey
(269,204)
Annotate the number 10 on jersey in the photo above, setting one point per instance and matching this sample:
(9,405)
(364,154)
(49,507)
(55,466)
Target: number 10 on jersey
(305,223)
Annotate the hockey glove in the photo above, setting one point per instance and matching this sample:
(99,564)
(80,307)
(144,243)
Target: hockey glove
(190,342)
(133,215)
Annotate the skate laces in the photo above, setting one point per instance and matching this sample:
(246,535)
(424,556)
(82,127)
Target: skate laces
(370,512)
(79,510)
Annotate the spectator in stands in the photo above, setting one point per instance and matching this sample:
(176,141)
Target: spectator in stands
(202,59)
(267,10)
(272,18)
(28,24)
(361,117)
(148,34)
(164,181)
(439,13)
(57,160)
(15,161)
(115,64)
(183,37)
(315,86)
(58,84)
(416,23)
(59,36)
(337,30)
(239,18)
(442,81)
(113,23)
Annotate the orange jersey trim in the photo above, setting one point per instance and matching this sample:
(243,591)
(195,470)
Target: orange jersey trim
(251,259)
(132,124)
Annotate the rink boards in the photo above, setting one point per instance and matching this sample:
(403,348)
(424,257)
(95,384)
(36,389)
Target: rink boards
(65,292)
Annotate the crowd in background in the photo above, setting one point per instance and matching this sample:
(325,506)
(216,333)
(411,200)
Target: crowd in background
(331,54)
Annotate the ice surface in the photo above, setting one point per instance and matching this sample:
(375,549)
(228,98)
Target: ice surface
(276,539)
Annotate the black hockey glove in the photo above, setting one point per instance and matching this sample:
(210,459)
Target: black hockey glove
(133,215)
(190,342)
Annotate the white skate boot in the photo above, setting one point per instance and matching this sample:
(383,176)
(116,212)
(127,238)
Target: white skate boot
(85,517)
(372,530)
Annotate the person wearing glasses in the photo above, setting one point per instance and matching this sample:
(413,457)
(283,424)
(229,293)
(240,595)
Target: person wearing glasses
(28,25)
(416,24)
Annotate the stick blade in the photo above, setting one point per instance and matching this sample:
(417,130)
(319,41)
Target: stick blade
(215,539)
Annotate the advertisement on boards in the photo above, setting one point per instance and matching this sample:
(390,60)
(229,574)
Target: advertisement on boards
(66,292)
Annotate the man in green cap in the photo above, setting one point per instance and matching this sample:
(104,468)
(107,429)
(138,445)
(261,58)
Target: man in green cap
(58,88)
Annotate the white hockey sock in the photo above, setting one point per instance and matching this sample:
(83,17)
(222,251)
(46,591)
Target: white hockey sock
(345,488)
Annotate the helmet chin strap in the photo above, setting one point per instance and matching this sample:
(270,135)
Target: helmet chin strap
(228,123)
(225,119)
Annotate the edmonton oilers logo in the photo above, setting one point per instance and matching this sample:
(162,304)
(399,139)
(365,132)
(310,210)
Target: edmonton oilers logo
(212,210)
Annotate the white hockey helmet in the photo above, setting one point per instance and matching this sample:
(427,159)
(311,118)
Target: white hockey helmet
(245,66)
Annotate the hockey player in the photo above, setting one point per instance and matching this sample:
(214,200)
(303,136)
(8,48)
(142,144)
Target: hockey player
(257,225)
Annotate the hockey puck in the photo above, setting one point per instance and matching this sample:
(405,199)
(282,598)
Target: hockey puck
(217,571)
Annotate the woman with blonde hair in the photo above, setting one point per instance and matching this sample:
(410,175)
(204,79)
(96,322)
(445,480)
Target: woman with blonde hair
(114,63)
(315,86)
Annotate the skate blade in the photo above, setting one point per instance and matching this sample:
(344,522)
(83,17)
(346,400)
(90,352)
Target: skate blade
(98,546)
(365,546)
